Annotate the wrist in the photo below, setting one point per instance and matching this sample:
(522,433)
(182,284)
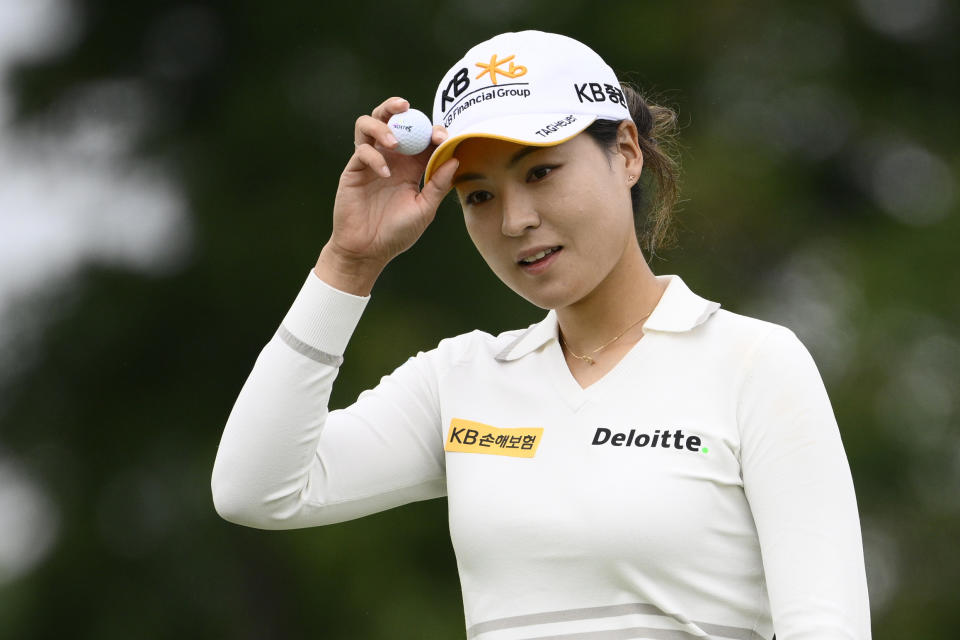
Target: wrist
(348,273)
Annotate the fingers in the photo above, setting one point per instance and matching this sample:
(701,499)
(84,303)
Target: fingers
(372,135)
(369,130)
(388,107)
(440,183)
(367,157)
(373,128)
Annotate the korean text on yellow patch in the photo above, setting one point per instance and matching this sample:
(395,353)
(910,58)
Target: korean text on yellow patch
(467,436)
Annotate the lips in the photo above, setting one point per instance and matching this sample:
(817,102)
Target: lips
(536,255)
(538,260)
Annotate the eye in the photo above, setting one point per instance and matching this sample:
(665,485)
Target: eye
(539,173)
(477,197)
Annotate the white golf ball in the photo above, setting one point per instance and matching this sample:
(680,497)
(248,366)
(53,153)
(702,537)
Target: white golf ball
(412,129)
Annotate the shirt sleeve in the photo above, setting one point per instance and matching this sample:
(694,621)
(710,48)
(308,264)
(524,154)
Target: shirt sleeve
(798,483)
(286,462)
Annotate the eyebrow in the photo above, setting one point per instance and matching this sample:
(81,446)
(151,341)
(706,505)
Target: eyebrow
(514,159)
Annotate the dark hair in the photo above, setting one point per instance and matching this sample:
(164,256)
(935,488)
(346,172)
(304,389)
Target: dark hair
(658,190)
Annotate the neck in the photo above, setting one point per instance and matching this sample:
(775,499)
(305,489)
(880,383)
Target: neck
(628,293)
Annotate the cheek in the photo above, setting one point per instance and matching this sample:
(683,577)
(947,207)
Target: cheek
(605,229)
(483,231)
(474,230)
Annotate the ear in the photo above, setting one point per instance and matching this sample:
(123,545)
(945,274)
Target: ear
(628,146)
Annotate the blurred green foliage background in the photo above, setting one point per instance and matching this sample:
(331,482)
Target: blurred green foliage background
(167,172)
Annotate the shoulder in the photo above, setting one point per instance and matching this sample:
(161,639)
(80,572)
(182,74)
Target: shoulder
(768,353)
(703,324)
(744,329)
(746,344)
(763,333)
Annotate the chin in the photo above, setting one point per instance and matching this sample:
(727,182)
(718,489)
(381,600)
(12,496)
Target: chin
(548,297)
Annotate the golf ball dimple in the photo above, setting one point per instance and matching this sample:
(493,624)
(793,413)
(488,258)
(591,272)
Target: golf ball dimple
(412,129)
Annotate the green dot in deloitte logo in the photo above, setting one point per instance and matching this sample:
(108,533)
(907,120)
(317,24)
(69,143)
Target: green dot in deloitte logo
(705,450)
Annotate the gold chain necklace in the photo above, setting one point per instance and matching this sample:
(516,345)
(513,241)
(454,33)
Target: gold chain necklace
(587,358)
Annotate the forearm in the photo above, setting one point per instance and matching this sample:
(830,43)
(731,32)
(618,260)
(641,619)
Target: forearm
(287,462)
(269,445)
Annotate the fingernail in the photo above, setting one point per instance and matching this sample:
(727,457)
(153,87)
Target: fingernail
(443,135)
(391,140)
(385,170)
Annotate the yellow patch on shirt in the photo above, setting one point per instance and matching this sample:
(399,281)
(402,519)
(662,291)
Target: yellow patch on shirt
(467,436)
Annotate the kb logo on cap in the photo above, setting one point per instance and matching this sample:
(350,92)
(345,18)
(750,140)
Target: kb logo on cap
(493,68)
(461,80)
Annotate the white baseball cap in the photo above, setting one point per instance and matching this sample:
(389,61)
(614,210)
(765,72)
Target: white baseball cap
(529,87)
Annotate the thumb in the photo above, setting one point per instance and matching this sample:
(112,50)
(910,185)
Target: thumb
(440,183)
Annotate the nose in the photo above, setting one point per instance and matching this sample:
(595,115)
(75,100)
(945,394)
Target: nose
(518,215)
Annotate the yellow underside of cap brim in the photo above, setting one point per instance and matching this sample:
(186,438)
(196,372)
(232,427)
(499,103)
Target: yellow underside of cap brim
(449,146)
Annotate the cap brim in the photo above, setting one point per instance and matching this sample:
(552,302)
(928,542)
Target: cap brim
(532,129)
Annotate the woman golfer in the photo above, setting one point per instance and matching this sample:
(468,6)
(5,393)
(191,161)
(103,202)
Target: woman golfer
(640,464)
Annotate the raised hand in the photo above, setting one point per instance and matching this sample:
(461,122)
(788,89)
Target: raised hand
(380,210)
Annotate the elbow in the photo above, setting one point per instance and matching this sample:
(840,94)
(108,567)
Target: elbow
(236,503)
(231,505)
(229,510)
(245,511)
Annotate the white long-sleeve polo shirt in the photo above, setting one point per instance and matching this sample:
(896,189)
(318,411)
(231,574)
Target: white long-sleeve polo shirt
(698,490)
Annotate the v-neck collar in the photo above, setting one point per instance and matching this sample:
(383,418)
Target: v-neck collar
(678,310)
